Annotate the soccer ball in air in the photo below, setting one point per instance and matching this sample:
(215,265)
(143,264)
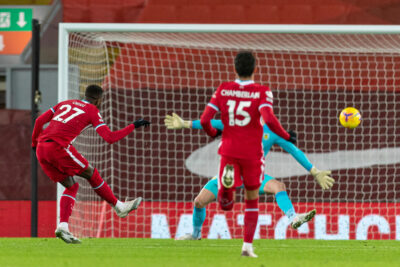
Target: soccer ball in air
(350,117)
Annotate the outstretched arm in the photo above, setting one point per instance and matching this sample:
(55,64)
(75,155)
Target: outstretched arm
(39,123)
(295,152)
(175,122)
(112,137)
(217,124)
(322,177)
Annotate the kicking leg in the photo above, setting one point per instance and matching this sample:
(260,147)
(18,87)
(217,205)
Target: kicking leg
(104,191)
(282,199)
(285,204)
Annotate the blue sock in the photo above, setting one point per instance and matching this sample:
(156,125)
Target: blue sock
(199,215)
(284,203)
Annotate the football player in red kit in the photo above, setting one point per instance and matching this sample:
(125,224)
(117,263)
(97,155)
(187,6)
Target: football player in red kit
(61,161)
(242,104)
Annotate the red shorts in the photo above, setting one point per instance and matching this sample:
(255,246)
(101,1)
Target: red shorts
(248,172)
(58,162)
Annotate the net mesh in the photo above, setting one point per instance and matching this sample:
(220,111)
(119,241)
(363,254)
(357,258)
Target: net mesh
(312,76)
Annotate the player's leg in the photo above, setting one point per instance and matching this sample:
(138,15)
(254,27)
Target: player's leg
(229,173)
(67,202)
(70,162)
(99,185)
(270,185)
(250,221)
(104,191)
(207,195)
(252,171)
(47,154)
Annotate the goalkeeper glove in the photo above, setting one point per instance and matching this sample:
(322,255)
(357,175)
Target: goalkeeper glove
(175,122)
(140,123)
(323,178)
(293,137)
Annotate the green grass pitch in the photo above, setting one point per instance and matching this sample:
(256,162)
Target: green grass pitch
(51,252)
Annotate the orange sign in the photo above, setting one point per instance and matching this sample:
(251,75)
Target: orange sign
(13,43)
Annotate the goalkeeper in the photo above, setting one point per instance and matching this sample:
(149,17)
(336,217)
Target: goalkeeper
(269,185)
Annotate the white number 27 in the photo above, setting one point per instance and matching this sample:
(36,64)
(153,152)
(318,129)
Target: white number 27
(233,111)
(66,109)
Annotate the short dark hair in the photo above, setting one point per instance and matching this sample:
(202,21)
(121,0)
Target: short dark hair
(93,91)
(245,62)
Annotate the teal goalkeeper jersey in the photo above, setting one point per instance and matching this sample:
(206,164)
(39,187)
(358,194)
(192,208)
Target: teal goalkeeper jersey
(269,139)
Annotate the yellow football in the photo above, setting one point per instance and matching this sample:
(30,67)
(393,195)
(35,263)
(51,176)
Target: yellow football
(350,117)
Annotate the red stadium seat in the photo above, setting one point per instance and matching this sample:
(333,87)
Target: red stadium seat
(337,14)
(262,14)
(132,12)
(228,14)
(105,14)
(75,11)
(101,11)
(169,2)
(296,14)
(73,14)
(391,14)
(365,14)
(297,2)
(374,3)
(194,14)
(158,14)
(232,2)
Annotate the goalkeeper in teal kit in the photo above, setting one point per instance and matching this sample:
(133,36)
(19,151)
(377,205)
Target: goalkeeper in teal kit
(269,185)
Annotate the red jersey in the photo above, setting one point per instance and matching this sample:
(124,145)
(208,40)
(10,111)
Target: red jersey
(69,119)
(240,104)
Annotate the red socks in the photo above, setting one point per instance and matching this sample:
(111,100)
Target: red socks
(225,198)
(250,219)
(67,202)
(68,198)
(102,189)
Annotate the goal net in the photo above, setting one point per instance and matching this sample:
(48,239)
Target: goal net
(149,71)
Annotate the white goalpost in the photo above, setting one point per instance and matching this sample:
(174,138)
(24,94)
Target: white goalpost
(314,71)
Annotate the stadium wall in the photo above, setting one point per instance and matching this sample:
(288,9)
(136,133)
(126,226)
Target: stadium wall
(15,146)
